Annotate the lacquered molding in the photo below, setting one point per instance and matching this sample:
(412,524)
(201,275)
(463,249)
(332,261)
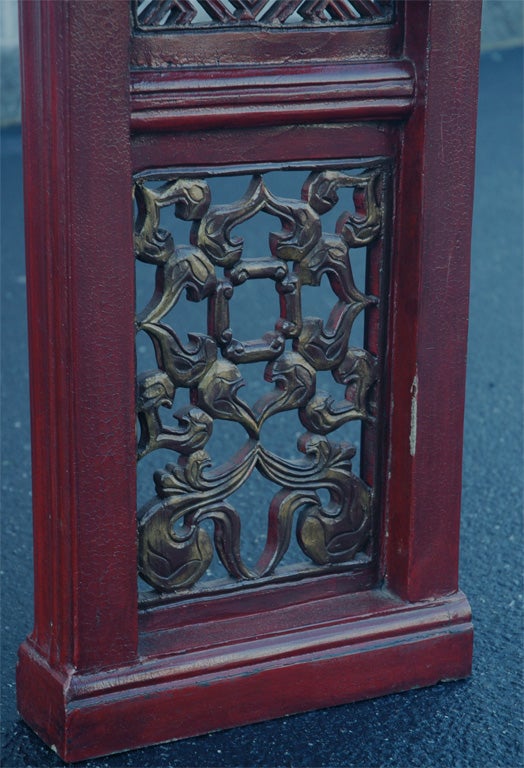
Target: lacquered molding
(185,694)
(213,97)
(285,145)
(380,619)
(232,47)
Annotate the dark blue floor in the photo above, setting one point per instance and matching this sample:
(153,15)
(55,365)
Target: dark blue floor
(478,722)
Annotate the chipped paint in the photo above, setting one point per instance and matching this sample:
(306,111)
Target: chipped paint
(413,430)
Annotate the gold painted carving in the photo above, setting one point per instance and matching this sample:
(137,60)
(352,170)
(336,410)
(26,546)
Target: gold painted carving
(174,550)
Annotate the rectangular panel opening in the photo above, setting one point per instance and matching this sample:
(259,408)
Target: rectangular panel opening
(260,318)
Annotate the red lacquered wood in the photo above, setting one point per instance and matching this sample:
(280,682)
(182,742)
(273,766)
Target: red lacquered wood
(429,303)
(80,280)
(231,47)
(101,673)
(213,97)
(387,646)
(273,144)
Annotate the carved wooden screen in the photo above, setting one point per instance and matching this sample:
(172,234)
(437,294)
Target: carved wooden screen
(174,551)
(157,15)
(247,289)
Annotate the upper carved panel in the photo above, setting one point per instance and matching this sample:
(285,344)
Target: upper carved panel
(156,15)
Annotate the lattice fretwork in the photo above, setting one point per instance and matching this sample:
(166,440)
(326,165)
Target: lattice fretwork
(165,14)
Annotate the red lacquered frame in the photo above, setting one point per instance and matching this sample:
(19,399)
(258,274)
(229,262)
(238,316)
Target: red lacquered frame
(97,675)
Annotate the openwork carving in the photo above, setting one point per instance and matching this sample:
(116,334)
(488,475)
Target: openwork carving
(174,550)
(168,14)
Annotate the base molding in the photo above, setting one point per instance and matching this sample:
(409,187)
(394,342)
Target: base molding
(378,651)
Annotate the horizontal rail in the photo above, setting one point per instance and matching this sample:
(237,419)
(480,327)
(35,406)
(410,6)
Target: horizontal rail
(209,97)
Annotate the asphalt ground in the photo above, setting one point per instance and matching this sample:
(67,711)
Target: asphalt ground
(477,722)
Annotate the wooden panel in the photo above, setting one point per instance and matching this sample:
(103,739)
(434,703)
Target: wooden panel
(226,148)
(77,159)
(266,46)
(206,97)
(429,305)
(385,646)
(105,105)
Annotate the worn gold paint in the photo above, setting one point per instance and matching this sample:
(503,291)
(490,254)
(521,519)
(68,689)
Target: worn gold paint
(174,551)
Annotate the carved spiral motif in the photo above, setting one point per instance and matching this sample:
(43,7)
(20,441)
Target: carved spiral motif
(174,550)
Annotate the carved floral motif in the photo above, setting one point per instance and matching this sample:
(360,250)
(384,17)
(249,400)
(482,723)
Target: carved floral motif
(174,550)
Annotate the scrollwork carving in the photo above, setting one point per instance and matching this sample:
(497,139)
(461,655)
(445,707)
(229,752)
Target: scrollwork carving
(155,389)
(172,553)
(294,381)
(174,550)
(191,200)
(217,394)
(325,347)
(185,268)
(300,226)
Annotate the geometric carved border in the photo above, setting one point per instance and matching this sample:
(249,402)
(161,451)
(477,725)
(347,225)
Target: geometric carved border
(155,15)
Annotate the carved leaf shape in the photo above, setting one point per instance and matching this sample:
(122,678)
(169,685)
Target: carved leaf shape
(217,394)
(155,389)
(365,225)
(152,244)
(294,381)
(331,257)
(358,371)
(169,482)
(185,365)
(326,537)
(323,414)
(325,348)
(194,430)
(194,466)
(186,268)
(213,234)
(191,197)
(301,228)
(174,561)
(321,188)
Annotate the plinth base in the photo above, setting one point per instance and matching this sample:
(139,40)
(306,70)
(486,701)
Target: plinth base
(381,646)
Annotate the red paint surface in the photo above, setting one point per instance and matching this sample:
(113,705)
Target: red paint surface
(90,121)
